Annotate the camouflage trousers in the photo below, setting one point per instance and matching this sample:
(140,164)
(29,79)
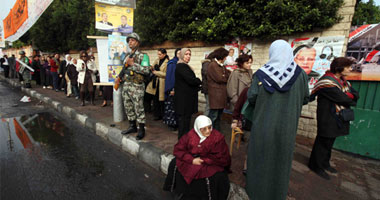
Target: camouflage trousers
(26,76)
(133,98)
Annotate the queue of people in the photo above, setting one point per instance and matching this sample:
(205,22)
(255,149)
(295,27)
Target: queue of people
(271,99)
(73,76)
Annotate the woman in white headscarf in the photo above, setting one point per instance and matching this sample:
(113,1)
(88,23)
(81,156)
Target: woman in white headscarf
(277,93)
(201,164)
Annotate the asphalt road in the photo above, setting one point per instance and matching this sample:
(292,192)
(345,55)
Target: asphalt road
(43,155)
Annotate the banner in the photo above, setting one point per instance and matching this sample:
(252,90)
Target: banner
(19,14)
(314,55)
(7,25)
(124,3)
(364,47)
(112,18)
(102,46)
(23,15)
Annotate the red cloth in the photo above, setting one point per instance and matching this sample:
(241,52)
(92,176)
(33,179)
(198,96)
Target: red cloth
(239,104)
(17,66)
(53,66)
(349,94)
(342,81)
(213,151)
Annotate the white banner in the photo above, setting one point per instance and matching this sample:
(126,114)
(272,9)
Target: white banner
(102,46)
(35,10)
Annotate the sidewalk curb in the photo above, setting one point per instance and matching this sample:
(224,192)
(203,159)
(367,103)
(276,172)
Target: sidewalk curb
(146,152)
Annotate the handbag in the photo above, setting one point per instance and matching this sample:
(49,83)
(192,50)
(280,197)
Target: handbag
(347,114)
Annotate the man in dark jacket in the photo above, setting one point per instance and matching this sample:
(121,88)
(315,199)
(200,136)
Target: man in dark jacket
(12,66)
(36,65)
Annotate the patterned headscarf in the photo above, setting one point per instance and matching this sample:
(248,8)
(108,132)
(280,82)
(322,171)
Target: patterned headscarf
(280,72)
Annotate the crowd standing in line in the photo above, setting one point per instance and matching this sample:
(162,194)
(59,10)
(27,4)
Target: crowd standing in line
(270,100)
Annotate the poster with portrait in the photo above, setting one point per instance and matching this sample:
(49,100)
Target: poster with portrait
(364,48)
(123,3)
(117,51)
(233,53)
(315,54)
(110,18)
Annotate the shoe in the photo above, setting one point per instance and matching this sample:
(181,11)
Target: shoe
(132,128)
(56,90)
(82,104)
(331,169)
(141,133)
(104,104)
(322,174)
(44,87)
(76,97)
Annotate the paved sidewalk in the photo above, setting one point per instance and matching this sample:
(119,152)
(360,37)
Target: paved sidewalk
(358,177)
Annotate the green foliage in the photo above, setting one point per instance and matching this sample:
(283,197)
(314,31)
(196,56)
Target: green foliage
(64,26)
(17,44)
(366,13)
(220,20)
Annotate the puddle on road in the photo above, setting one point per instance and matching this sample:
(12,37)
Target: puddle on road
(47,138)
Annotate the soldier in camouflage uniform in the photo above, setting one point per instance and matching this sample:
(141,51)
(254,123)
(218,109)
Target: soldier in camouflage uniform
(132,77)
(25,71)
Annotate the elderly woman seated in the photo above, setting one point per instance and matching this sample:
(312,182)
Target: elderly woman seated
(202,160)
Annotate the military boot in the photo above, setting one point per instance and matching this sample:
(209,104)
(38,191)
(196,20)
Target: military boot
(132,128)
(141,133)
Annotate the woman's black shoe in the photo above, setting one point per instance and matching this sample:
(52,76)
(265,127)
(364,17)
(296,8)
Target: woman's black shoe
(322,174)
(331,169)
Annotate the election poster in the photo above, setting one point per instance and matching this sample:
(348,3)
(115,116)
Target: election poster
(111,18)
(233,53)
(364,48)
(314,55)
(111,53)
(123,3)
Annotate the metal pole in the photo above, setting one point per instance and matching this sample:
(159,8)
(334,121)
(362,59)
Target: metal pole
(118,105)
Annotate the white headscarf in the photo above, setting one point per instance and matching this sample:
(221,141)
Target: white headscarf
(280,67)
(200,122)
(67,61)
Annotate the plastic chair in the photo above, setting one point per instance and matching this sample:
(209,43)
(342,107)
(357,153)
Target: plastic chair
(235,131)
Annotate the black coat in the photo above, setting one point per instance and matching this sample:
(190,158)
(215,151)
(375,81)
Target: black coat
(72,73)
(186,89)
(63,68)
(329,125)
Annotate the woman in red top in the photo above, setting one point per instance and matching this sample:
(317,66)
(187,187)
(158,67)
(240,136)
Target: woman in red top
(202,160)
